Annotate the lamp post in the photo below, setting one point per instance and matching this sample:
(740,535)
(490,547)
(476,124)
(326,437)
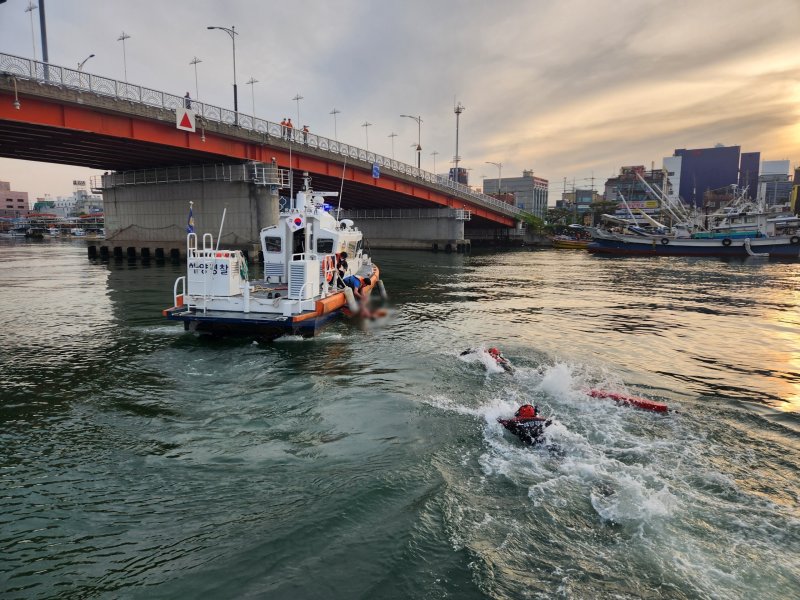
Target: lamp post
(251,82)
(366,125)
(393,135)
(297,99)
(335,112)
(194,62)
(433,154)
(122,39)
(32,7)
(499,166)
(458,109)
(418,119)
(232,32)
(83,62)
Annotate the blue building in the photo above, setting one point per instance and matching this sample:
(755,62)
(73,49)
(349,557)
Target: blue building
(748,172)
(705,169)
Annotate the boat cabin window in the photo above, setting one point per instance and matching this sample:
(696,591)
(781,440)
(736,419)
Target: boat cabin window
(325,246)
(359,247)
(272,244)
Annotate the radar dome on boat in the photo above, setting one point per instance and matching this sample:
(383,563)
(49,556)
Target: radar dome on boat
(346,223)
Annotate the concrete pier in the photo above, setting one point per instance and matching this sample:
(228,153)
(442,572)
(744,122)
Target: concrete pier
(147,212)
(438,229)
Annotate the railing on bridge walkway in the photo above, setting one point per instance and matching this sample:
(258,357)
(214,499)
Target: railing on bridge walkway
(458,214)
(25,68)
(258,173)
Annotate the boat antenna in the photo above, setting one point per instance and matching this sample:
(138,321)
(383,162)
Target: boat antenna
(291,178)
(341,190)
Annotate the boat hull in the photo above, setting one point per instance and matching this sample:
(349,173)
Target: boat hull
(263,325)
(624,245)
(571,244)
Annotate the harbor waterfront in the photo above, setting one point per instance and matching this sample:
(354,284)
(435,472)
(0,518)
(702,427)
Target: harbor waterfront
(141,461)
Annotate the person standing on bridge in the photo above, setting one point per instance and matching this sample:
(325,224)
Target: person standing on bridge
(289,129)
(283,128)
(187,101)
(305,134)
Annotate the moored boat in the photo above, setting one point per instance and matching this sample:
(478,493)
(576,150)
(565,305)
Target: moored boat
(305,256)
(567,243)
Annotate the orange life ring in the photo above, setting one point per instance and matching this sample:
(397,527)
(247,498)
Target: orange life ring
(328,268)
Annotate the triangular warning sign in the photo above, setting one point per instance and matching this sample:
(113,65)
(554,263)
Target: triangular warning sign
(184,119)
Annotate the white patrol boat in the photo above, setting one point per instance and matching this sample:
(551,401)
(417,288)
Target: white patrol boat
(301,288)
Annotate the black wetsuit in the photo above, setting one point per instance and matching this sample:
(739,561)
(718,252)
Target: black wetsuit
(530,431)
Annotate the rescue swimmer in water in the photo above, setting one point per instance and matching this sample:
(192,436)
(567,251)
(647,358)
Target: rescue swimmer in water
(498,357)
(526,424)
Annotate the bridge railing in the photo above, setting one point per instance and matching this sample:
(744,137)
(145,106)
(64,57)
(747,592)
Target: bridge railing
(405,213)
(25,68)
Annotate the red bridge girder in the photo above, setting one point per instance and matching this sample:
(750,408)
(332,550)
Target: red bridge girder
(47,130)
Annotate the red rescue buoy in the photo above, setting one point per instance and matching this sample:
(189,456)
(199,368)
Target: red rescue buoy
(643,403)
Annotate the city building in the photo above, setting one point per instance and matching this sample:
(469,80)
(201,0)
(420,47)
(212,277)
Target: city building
(704,169)
(13,204)
(672,165)
(579,200)
(530,192)
(460,175)
(774,183)
(628,189)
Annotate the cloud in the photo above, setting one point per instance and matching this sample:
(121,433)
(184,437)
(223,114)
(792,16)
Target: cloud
(564,87)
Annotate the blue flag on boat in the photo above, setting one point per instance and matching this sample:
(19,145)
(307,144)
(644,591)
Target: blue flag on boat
(190,223)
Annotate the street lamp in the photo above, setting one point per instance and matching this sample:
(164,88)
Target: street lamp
(122,39)
(194,62)
(83,62)
(433,154)
(393,135)
(458,109)
(499,166)
(334,112)
(32,7)
(297,99)
(366,125)
(232,32)
(418,119)
(251,82)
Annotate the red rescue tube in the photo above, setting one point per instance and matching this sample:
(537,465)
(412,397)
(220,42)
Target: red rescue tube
(643,403)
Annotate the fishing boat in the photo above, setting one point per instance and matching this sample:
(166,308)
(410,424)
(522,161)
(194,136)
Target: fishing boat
(301,289)
(563,242)
(741,235)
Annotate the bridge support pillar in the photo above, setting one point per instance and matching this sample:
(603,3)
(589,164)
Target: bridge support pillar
(412,229)
(156,215)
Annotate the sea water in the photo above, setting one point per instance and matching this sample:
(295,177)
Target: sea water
(139,461)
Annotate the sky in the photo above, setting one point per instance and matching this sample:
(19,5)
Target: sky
(569,89)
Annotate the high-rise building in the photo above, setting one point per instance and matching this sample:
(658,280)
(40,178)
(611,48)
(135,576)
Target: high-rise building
(748,172)
(704,169)
(774,184)
(530,192)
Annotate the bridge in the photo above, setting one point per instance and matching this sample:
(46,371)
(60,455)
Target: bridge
(56,114)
